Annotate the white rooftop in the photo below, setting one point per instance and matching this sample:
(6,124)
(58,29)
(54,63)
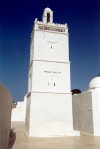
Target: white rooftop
(23,142)
(95,83)
(47,9)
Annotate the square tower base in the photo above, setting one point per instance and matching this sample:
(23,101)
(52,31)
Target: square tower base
(49,114)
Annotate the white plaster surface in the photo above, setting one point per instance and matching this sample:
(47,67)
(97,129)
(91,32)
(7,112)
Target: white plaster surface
(95,83)
(49,115)
(86,111)
(49,100)
(49,70)
(96,111)
(47,10)
(82,112)
(43,42)
(18,113)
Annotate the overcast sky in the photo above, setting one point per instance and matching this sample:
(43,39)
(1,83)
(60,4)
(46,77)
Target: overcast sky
(16,24)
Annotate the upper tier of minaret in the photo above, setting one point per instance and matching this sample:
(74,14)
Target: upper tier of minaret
(47,23)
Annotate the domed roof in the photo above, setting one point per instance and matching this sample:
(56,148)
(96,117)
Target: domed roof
(47,9)
(95,82)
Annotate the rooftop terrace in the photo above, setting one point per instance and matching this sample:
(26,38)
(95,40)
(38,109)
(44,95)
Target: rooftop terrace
(23,142)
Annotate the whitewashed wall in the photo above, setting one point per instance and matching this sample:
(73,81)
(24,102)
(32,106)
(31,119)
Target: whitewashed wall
(86,111)
(41,71)
(51,46)
(49,100)
(50,115)
(96,111)
(18,113)
(82,112)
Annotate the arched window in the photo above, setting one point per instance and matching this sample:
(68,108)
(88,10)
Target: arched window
(48,17)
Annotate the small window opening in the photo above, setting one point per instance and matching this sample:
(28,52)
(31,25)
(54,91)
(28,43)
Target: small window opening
(48,83)
(48,17)
(51,47)
(54,84)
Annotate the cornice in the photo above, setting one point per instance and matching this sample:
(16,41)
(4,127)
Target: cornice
(44,92)
(52,61)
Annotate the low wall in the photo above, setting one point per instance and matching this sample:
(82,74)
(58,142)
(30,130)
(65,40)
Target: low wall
(83,112)
(5,116)
(18,113)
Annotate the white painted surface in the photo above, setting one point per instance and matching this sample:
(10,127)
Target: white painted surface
(82,112)
(50,46)
(86,111)
(44,72)
(95,83)
(47,10)
(96,111)
(19,113)
(49,100)
(47,115)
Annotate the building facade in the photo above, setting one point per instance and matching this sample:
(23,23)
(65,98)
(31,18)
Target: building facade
(49,100)
(86,109)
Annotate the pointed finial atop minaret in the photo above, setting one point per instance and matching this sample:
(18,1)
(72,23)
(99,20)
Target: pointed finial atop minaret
(99,74)
(47,5)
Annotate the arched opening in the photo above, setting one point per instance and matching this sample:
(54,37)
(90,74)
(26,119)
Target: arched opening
(48,17)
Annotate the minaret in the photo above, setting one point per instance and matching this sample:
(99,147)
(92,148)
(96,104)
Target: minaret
(49,100)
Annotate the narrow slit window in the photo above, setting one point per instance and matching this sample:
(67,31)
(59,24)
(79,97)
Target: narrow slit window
(51,47)
(48,83)
(54,84)
(48,17)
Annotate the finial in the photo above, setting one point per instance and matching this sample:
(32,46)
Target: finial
(99,74)
(47,5)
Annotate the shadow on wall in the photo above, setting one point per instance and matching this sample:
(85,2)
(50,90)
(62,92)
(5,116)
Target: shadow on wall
(7,136)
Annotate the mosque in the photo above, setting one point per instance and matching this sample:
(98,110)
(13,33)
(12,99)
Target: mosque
(49,109)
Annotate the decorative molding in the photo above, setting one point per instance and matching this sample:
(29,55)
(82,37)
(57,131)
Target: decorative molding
(51,28)
(51,42)
(47,61)
(52,71)
(51,61)
(53,24)
(47,92)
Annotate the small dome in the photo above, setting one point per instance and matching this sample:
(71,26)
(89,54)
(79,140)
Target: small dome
(95,82)
(47,9)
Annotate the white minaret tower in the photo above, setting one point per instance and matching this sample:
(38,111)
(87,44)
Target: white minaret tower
(49,100)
